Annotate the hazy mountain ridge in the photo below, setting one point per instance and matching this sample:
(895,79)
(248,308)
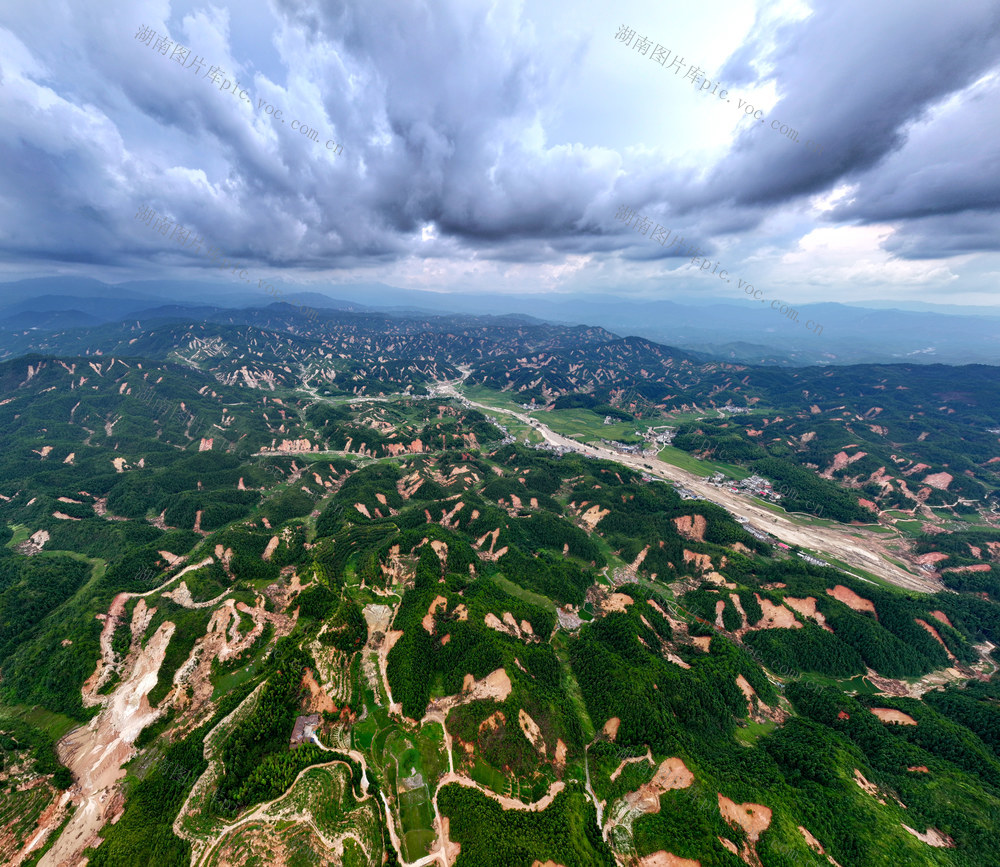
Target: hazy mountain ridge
(700,325)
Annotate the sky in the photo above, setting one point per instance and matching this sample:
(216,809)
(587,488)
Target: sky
(469,146)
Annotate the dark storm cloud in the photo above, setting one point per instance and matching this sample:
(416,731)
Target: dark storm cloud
(852,76)
(443,111)
(941,236)
(948,166)
(455,86)
(433,104)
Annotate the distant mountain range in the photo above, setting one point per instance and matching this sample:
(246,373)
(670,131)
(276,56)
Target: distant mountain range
(737,331)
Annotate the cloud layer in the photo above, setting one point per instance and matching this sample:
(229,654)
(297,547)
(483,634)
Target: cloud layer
(450,175)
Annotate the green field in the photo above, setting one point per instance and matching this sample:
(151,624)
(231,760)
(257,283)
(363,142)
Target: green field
(588,427)
(525,595)
(490,397)
(21,534)
(687,461)
(54,724)
(749,734)
(404,765)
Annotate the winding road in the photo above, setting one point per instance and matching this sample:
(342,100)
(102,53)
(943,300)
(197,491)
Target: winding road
(840,542)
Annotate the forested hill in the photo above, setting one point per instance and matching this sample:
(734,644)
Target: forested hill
(468,630)
(269,590)
(895,436)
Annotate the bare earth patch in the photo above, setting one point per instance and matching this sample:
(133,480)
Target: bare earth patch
(720,606)
(631,760)
(933,837)
(815,845)
(702,641)
(271,546)
(675,659)
(560,760)
(428,621)
(495,685)
(852,600)
(888,715)
(493,722)
(102,671)
(867,786)
(506,802)
(592,517)
(319,701)
(617,602)
(754,819)
(388,642)
(937,637)
(531,731)
(377,617)
(692,527)
(701,561)
(49,820)
(95,753)
(807,608)
(719,579)
(840,460)
(666,859)
(34,544)
(633,567)
(978,567)
(939,481)
(749,693)
(672,774)
(508,625)
(611,728)
(775,616)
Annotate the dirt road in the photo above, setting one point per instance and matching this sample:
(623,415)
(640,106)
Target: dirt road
(866,552)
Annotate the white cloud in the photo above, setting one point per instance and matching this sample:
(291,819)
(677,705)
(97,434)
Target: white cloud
(487,146)
(853,256)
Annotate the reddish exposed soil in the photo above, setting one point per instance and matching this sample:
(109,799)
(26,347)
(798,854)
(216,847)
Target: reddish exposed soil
(95,753)
(775,616)
(869,787)
(428,621)
(692,527)
(930,559)
(318,700)
(937,637)
(754,819)
(940,615)
(671,774)
(807,608)
(666,859)
(592,517)
(889,715)
(939,481)
(701,561)
(531,731)
(852,600)
(617,602)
